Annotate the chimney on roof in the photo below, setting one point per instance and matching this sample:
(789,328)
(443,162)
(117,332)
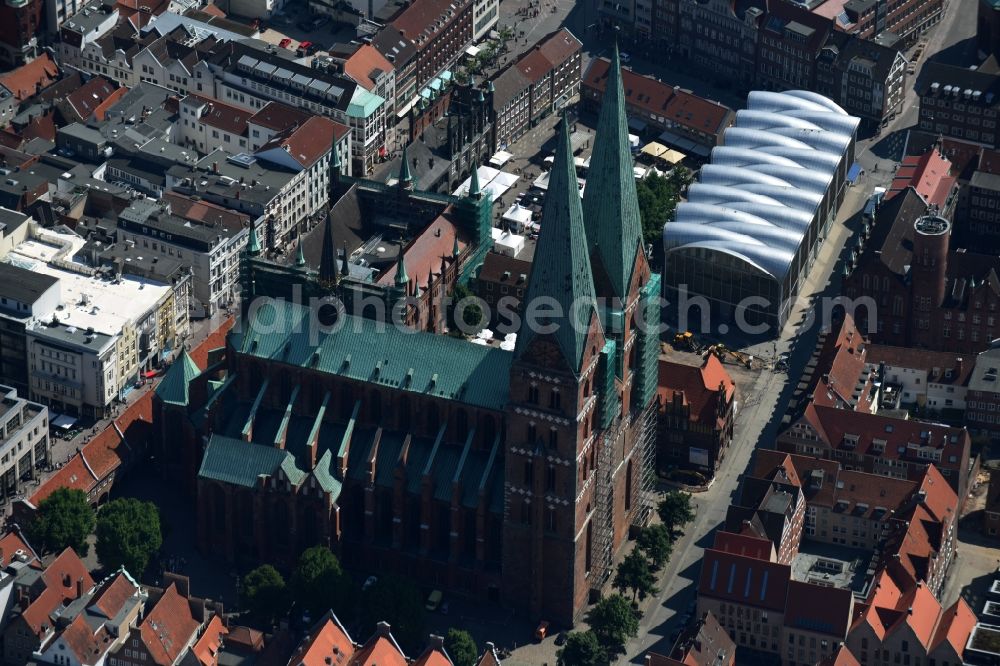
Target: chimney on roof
(383,629)
(215,167)
(79,587)
(436,642)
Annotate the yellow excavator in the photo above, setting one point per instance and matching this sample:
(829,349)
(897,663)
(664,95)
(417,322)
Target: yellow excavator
(684,340)
(723,352)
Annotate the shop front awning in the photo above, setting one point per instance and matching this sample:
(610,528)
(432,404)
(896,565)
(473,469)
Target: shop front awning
(472,50)
(63,422)
(854,172)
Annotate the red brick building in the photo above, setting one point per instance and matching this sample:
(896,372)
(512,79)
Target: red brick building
(440,30)
(514,476)
(20,26)
(165,633)
(703,643)
(696,414)
(924,292)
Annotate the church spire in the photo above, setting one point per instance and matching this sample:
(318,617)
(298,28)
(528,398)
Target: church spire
(328,257)
(401,277)
(344,269)
(564,277)
(474,190)
(610,204)
(405,178)
(300,257)
(253,243)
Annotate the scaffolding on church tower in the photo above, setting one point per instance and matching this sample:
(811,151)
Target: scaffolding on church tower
(645,450)
(604,511)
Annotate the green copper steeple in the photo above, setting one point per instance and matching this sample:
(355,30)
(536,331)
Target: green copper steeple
(474,190)
(455,250)
(328,256)
(402,279)
(564,277)
(300,257)
(610,204)
(253,243)
(405,178)
(173,389)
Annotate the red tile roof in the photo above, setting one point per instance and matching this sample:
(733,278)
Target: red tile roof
(10,543)
(534,65)
(742,544)
(110,597)
(433,656)
(205,212)
(699,388)
(423,255)
(379,651)
(86,644)
(42,126)
(661,100)
(214,340)
(819,608)
(842,657)
(85,100)
(703,643)
(309,141)
(929,174)
(362,64)
(64,579)
(560,46)
(744,580)
(168,628)
(73,474)
(220,115)
(31,78)
(943,367)
(328,640)
(206,650)
(955,626)
(278,116)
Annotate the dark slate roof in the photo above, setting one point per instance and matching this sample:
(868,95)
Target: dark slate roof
(963,77)
(369,351)
(173,388)
(611,205)
(23,285)
(564,277)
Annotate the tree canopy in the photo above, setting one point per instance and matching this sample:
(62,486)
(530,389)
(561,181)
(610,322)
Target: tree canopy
(319,584)
(675,510)
(658,197)
(613,621)
(399,602)
(656,543)
(582,649)
(634,574)
(264,595)
(128,534)
(64,520)
(461,647)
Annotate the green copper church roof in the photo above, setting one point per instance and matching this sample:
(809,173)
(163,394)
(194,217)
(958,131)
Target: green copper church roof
(253,242)
(173,388)
(610,203)
(370,351)
(562,274)
(240,463)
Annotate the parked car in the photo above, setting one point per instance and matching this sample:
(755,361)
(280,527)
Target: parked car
(371,580)
(285,43)
(434,600)
(561,638)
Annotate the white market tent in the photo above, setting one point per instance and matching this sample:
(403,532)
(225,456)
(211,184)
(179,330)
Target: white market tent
(492,181)
(518,217)
(500,158)
(509,244)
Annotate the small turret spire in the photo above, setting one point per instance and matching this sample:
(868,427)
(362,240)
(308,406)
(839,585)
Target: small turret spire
(474,190)
(405,178)
(300,257)
(344,270)
(328,257)
(253,242)
(402,279)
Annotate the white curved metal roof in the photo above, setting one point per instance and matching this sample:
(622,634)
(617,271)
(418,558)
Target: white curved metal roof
(759,197)
(720,194)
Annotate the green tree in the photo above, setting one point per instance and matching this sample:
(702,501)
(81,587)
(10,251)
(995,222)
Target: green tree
(675,510)
(613,621)
(658,197)
(64,520)
(461,647)
(319,584)
(264,594)
(634,574)
(472,311)
(582,649)
(128,534)
(399,602)
(656,543)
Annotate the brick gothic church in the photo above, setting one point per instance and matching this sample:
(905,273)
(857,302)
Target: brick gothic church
(511,475)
